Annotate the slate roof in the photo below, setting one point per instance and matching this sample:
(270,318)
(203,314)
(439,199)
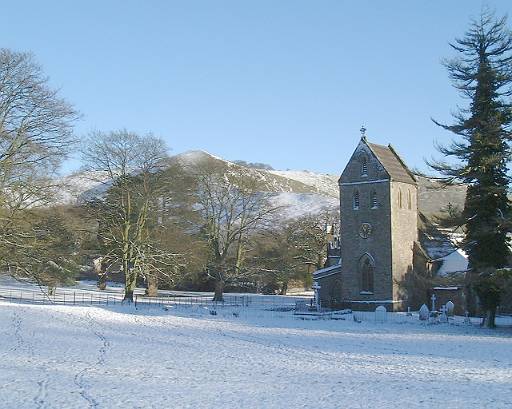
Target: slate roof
(392,163)
(327,271)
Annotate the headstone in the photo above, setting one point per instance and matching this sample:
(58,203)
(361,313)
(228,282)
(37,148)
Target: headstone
(443,317)
(433,317)
(380,314)
(450,308)
(433,299)
(424,313)
(316,287)
(467,320)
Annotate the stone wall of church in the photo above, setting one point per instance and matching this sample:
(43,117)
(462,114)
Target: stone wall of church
(331,291)
(377,244)
(404,225)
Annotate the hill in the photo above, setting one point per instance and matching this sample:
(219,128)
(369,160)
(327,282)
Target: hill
(300,192)
(297,195)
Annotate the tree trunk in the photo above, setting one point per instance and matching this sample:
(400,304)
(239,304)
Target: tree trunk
(470,294)
(130,284)
(284,288)
(239,255)
(219,291)
(102,282)
(490,318)
(152,287)
(101,271)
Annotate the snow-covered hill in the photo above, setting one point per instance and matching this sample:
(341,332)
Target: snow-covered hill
(298,193)
(324,184)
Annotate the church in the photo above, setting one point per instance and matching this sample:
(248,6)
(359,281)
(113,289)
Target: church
(378,244)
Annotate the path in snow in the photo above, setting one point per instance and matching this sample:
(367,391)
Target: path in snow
(118,357)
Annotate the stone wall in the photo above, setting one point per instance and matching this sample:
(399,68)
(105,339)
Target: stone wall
(404,227)
(331,291)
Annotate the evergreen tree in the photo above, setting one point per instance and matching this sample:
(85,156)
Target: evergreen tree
(482,72)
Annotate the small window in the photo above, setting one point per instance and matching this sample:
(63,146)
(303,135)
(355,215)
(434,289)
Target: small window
(356,200)
(400,198)
(364,167)
(409,200)
(375,202)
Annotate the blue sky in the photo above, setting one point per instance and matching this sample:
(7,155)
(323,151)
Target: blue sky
(287,82)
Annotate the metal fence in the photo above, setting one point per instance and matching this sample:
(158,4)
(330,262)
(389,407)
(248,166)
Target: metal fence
(60,297)
(84,297)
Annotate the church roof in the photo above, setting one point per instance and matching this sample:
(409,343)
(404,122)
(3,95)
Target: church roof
(327,271)
(392,163)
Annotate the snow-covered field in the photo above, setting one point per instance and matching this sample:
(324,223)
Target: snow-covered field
(119,357)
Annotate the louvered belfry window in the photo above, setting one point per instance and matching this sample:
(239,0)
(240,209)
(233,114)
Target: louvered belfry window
(356,200)
(375,202)
(364,167)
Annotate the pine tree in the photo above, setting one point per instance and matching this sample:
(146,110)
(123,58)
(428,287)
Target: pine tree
(482,72)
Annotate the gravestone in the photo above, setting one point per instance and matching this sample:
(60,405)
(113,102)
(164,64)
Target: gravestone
(381,314)
(443,317)
(424,313)
(433,299)
(316,287)
(449,308)
(467,320)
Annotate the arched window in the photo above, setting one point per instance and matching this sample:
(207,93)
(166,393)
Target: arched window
(364,166)
(400,198)
(375,202)
(366,269)
(355,203)
(409,200)
(335,293)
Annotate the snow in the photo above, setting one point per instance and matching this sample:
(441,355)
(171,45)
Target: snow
(195,157)
(81,186)
(55,356)
(300,204)
(323,183)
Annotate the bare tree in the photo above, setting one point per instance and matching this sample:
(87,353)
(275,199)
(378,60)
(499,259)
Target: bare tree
(36,134)
(232,208)
(293,249)
(310,236)
(131,167)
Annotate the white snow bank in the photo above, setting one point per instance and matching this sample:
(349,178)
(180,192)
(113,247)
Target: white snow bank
(83,357)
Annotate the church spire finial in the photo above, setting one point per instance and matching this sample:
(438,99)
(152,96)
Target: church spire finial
(363,133)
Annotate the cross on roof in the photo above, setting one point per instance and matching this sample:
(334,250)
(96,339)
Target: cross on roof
(363,132)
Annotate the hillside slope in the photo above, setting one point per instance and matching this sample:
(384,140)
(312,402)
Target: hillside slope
(301,192)
(295,195)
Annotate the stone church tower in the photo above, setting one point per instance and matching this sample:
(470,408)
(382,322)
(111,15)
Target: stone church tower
(379,229)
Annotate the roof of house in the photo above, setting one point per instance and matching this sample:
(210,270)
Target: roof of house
(392,163)
(327,271)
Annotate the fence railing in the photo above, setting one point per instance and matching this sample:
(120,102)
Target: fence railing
(60,297)
(273,305)
(84,297)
